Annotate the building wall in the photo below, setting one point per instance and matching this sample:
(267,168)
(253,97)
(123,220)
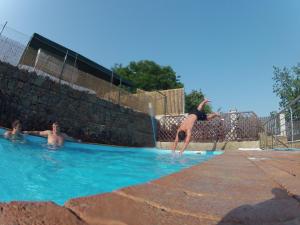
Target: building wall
(37,101)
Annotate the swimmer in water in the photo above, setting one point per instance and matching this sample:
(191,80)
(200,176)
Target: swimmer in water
(16,133)
(54,136)
(184,132)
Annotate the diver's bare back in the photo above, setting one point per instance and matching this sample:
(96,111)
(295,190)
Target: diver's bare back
(188,123)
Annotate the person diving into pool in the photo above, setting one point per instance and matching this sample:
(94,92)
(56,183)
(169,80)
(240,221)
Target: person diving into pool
(184,132)
(55,136)
(16,133)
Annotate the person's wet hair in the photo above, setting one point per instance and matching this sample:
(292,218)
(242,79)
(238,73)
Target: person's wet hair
(181,135)
(56,125)
(15,123)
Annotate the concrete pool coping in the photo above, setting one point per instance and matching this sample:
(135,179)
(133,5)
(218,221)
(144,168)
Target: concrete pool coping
(237,187)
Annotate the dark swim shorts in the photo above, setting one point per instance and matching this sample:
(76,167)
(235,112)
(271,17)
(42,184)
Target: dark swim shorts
(200,114)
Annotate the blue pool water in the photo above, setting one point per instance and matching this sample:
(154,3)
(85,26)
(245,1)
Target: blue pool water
(32,171)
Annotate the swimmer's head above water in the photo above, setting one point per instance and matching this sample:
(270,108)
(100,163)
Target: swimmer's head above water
(17,126)
(15,133)
(55,128)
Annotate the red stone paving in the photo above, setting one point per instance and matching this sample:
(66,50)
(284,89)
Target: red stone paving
(238,187)
(43,213)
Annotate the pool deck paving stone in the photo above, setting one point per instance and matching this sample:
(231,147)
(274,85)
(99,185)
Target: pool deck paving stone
(237,187)
(37,213)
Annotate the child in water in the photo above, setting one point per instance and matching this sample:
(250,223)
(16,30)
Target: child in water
(16,132)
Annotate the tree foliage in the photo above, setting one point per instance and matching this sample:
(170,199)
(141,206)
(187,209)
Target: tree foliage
(148,75)
(193,99)
(287,84)
(287,88)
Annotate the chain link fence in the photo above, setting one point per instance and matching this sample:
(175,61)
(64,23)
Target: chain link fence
(12,44)
(282,130)
(236,126)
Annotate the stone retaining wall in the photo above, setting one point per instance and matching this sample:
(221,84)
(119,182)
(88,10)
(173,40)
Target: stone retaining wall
(38,101)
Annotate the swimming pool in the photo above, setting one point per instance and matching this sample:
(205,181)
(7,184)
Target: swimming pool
(31,171)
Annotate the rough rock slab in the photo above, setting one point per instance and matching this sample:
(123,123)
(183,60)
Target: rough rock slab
(114,208)
(37,213)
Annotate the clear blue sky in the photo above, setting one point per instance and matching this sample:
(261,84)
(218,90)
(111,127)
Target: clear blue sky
(225,48)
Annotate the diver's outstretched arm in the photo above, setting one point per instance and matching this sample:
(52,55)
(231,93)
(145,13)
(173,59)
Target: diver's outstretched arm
(175,141)
(202,104)
(211,116)
(187,141)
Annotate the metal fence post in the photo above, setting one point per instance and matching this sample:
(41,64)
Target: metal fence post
(36,59)
(74,69)
(3,28)
(292,126)
(63,66)
(266,139)
(275,125)
(120,86)
(111,83)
